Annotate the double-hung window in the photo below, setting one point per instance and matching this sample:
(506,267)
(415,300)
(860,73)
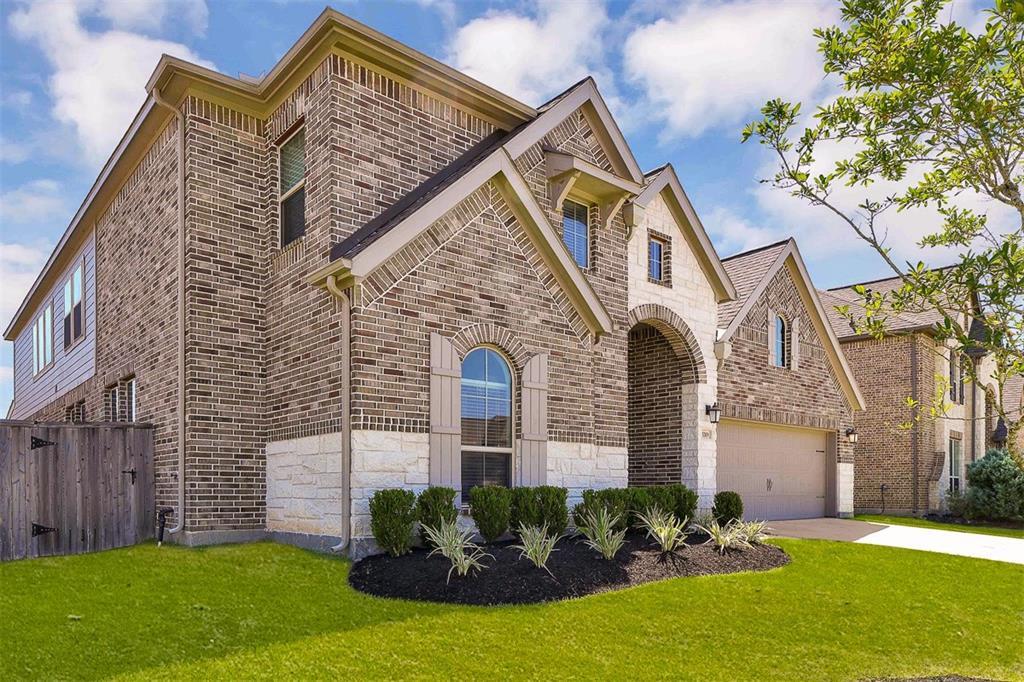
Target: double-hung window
(293,187)
(955,464)
(656,259)
(74,307)
(486,420)
(576,231)
(42,340)
(780,341)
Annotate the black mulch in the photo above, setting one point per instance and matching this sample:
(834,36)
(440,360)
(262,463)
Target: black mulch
(577,571)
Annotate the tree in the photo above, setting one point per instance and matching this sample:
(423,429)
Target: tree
(936,111)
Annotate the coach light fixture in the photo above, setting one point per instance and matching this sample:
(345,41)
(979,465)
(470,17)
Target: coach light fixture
(851,435)
(713,411)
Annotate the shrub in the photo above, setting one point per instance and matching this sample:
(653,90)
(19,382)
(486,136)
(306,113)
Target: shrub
(553,508)
(537,545)
(728,507)
(995,488)
(615,500)
(435,505)
(525,510)
(638,501)
(392,517)
(456,546)
(724,536)
(491,509)
(599,528)
(675,498)
(752,532)
(664,528)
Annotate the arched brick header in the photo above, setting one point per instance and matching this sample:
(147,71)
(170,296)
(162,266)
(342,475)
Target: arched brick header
(676,331)
(492,334)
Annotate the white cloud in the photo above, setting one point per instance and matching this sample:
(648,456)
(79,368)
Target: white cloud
(16,98)
(19,265)
(532,58)
(732,233)
(713,65)
(99,77)
(150,15)
(13,152)
(34,202)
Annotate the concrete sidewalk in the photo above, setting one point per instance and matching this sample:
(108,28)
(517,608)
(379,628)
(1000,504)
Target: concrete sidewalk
(993,547)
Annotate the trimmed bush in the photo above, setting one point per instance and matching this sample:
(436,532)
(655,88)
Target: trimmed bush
(553,508)
(434,506)
(675,498)
(491,509)
(728,507)
(615,500)
(995,488)
(392,518)
(525,510)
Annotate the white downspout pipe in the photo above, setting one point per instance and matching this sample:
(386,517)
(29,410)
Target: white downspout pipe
(346,423)
(180,521)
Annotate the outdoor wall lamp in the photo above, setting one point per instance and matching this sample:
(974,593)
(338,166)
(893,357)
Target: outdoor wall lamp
(713,411)
(851,435)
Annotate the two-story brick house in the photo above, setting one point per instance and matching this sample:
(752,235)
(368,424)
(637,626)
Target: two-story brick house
(367,270)
(906,458)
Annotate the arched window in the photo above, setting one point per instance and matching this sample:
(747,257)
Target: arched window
(486,420)
(781,347)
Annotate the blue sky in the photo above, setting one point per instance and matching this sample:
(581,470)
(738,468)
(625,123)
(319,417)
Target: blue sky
(681,77)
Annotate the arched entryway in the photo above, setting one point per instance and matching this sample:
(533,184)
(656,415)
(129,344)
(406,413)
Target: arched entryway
(665,369)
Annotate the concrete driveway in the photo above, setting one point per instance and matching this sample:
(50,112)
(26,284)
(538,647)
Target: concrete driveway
(993,547)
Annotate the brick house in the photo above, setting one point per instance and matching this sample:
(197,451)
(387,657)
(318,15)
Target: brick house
(786,394)
(907,460)
(367,270)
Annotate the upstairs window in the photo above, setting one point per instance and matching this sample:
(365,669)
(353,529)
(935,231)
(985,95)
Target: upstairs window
(486,420)
(293,187)
(576,231)
(655,259)
(42,341)
(781,342)
(129,390)
(74,307)
(956,378)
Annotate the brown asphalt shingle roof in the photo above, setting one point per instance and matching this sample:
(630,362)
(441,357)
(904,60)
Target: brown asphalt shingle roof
(746,270)
(905,321)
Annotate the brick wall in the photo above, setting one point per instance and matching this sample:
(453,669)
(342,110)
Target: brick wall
(809,396)
(655,409)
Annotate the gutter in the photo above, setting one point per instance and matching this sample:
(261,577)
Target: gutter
(345,304)
(180,521)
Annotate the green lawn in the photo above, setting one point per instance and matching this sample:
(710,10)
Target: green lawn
(839,611)
(925,523)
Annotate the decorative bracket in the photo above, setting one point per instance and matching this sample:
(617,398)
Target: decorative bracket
(560,186)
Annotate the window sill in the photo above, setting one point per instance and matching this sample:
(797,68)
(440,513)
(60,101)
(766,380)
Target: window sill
(660,282)
(44,371)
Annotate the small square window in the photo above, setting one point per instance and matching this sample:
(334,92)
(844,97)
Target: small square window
(656,259)
(293,189)
(576,231)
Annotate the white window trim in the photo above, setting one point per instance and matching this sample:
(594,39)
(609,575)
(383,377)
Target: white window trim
(782,360)
(589,204)
(510,451)
(40,363)
(132,389)
(281,198)
(69,310)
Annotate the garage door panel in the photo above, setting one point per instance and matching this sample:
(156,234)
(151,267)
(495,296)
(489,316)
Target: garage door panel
(779,472)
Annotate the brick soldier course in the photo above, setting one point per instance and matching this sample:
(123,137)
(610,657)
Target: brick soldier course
(319,370)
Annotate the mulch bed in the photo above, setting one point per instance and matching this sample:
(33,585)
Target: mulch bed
(577,571)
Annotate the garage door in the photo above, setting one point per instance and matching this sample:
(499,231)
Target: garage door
(779,472)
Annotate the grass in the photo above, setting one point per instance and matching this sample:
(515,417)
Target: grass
(925,523)
(838,612)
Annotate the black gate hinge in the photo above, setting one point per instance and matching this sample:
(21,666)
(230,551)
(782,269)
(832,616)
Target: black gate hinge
(40,443)
(39,529)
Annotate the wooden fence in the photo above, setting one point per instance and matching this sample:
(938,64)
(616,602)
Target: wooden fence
(74,488)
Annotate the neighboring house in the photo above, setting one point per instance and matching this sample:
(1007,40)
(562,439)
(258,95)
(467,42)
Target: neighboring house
(907,460)
(786,394)
(367,270)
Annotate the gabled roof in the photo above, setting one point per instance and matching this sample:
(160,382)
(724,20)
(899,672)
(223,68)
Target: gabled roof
(664,181)
(752,272)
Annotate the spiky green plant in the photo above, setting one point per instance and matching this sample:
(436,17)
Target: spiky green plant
(599,530)
(456,545)
(753,532)
(536,545)
(664,528)
(724,536)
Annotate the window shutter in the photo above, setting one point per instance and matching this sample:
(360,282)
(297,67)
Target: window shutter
(771,337)
(534,449)
(445,413)
(794,343)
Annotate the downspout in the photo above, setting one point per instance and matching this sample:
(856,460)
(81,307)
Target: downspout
(346,399)
(180,521)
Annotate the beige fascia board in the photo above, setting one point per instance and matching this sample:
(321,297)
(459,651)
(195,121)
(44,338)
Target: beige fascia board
(333,31)
(584,95)
(148,122)
(667,183)
(341,269)
(500,168)
(821,324)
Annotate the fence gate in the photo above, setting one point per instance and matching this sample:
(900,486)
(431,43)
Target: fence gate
(74,488)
